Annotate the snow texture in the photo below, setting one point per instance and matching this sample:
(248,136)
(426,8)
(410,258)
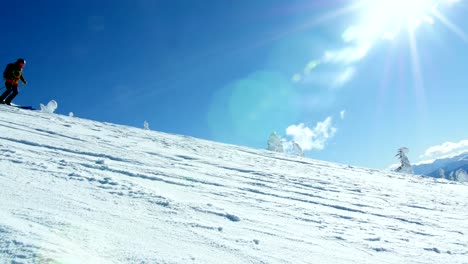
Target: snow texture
(78,191)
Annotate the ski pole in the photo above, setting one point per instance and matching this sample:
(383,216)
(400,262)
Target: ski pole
(20,87)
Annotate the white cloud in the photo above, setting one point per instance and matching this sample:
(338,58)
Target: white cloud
(357,48)
(446,149)
(345,76)
(351,34)
(314,138)
(346,55)
(342,114)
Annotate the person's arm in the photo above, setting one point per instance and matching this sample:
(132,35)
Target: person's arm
(23,80)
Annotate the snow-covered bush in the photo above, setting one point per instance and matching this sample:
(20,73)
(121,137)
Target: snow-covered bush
(405,166)
(50,107)
(146,125)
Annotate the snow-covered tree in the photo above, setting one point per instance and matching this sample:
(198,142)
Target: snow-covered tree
(442,173)
(50,107)
(296,150)
(275,143)
(146,126)
(278,144)
(292,148)
(462,176)
(405,166)
(452,176)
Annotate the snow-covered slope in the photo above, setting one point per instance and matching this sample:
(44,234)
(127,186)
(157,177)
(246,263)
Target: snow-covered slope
(78,191)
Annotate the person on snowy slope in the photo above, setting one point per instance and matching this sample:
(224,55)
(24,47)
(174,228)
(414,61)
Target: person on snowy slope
(13,74)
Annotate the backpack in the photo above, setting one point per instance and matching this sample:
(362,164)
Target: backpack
(8,72)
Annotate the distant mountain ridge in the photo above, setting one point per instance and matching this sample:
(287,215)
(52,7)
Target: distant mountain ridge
(449,165)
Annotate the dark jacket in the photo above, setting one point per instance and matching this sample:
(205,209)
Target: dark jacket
(13,73)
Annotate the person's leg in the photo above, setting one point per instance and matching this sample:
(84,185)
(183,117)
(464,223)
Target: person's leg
(8,100)
(6,93)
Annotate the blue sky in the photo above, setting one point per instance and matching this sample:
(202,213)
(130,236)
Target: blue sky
(345,79)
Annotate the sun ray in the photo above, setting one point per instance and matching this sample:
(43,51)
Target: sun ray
(307,25)
(416,71)
(335,13)
(450,25)
(382,21)
(321,19)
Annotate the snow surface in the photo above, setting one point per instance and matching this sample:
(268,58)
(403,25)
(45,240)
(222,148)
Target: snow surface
(78,191)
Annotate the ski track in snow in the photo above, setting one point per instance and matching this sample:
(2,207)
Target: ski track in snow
(78,191)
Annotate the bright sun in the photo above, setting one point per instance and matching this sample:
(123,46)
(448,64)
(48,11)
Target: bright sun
(382,21)
(388,19)
(391,16)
